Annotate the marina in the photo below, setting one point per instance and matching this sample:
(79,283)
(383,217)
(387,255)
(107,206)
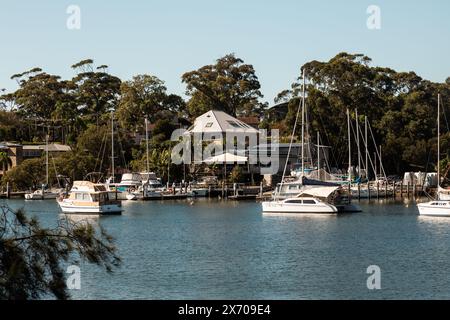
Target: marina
(225,151)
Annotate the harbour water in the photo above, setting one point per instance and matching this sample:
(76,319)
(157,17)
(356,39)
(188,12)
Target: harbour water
(229,250)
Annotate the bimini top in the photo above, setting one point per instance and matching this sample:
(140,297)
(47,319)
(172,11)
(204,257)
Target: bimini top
(319,192)
(88,186)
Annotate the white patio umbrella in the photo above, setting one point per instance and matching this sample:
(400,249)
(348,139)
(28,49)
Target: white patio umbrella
(226,158)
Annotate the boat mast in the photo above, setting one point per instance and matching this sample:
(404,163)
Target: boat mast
(46,159)
(357,142)
(112,145)
(349,148)
(381,161)
(366,146)
(292,140)
(303,123)
(146,141)
(439,141)
(318,154)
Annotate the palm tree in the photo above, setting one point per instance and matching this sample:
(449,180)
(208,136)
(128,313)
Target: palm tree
(5,161)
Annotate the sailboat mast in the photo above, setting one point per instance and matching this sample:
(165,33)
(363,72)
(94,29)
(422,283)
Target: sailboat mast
(46,159)
(349,148)
(366,146)
(439,141)
(112,145)
(318,150)
(357,142)
(303,123)
(290,145)
(318,154)
(381,161)
(146,141)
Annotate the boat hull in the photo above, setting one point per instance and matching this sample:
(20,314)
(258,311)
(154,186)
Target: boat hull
(281,207)
(439,209)
(35,196)
(348,208)
(68,207)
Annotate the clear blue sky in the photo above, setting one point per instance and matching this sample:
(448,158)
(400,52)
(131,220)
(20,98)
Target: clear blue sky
(167,38)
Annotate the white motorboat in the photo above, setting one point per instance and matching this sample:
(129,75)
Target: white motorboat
(438,208)
(198,192)
(42,195)
(86,197)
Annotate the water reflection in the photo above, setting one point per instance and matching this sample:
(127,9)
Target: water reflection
(301,215)
(81,218)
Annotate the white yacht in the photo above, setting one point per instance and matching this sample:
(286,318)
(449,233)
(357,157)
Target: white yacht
(438,208)
(441,206)
(86,197)
(150,188)
(129,183)
(42,195)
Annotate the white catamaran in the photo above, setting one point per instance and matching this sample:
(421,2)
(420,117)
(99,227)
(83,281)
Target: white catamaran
(319,199)
(439,207)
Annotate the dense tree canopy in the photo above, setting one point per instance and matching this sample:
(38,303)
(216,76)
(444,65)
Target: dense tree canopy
(402,108)
(229,85)
(146,96)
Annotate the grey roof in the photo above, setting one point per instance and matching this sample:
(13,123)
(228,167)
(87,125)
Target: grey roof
(54,147)
(219,122)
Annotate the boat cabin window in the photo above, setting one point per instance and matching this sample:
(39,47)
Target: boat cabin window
(99,197)
(78,196)
(294,201)
(300,201)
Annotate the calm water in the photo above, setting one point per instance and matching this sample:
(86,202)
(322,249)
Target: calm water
(229,250)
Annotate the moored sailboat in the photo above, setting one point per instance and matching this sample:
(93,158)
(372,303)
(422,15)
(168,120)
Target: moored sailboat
(316,198)
(438,207)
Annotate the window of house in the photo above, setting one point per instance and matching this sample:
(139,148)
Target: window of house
(234,124)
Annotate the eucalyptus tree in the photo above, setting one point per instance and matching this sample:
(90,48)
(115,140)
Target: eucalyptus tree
(95,92)
(146,96)
(229,85)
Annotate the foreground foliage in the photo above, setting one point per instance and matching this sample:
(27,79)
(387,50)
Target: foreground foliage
(32,258)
